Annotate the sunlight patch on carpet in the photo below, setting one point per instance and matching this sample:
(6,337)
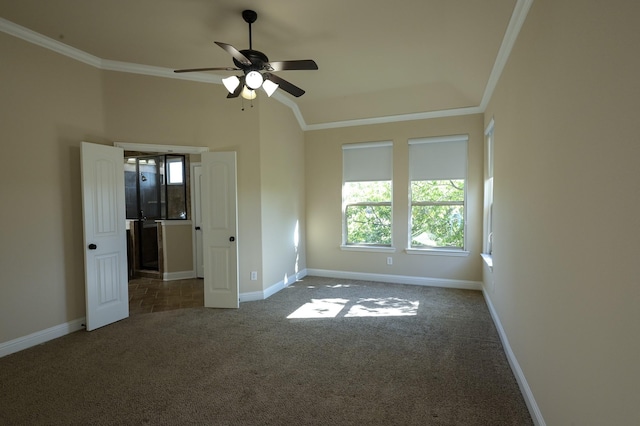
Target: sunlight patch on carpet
(363,307)
(387,307)
(320,308)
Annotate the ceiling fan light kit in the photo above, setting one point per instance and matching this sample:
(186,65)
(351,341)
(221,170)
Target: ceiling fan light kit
(231,83)
(256,68)
(269,87)
(248,94)
(253,80)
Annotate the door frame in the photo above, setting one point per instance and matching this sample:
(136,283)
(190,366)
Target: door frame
(195,202)
(165,149)
(124,146)
(169,149)
(172,149)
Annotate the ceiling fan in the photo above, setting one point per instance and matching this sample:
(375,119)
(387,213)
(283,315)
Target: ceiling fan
(257,69)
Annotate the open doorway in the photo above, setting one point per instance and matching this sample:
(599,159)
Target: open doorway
(104,206)
(165,289)
(217,214)
(156,190)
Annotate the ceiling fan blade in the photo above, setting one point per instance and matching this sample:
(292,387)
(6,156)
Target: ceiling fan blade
(304,64)
(234,52)
(208,69)
(285,85)
(238,90)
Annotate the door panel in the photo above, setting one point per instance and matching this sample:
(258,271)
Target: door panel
(103,203)
(219,229)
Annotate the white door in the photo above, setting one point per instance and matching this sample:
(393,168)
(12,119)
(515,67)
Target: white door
(105,248)
(196,190)
(219,229)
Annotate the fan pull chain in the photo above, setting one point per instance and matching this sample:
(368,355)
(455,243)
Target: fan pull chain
(243,104)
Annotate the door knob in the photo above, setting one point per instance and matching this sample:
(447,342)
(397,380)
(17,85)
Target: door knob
(197,228)
(92,246)
(232,239)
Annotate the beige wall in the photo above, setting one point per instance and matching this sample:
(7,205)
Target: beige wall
(282,185)
(177,247)
(565,284)
(155,110)
(49,103)
(567,194)
(323,171)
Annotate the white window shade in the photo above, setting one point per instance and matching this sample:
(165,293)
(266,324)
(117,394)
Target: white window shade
(438,158)
(366,162)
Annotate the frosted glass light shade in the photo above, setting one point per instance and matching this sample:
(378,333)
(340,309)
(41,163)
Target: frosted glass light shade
(231,83)
(269,87)
(253,79)
(248,93)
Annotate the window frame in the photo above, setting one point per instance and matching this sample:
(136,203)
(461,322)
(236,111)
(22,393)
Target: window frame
(487,232)
(373,246)
(435,250)
(170,175)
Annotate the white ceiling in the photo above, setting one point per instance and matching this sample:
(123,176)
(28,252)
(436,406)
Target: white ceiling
(376,58)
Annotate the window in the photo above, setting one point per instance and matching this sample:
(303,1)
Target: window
(148,195)
(175,170)
(438,174)
(366,194)
(488,190)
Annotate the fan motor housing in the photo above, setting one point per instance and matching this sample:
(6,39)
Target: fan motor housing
(257,58)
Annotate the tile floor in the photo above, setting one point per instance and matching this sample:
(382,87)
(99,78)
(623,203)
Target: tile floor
(153,295)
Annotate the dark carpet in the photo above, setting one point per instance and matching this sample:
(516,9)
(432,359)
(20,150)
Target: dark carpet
(357,353)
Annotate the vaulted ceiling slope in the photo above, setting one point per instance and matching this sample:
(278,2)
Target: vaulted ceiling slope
(378,60)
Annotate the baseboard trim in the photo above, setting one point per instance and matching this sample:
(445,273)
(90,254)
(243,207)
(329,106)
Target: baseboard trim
(273,289)
(398,279)
(532,405)
(51,333)
(180,275)
(39,337)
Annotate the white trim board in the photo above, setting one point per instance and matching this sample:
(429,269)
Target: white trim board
(385,278)
(144,147)
(39,337)
(527,394)
(254,296)
(520,12)
(179,275)
(516,22)
(43,336)
(397,279)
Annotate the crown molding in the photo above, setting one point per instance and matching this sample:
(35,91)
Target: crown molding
(294,108)
(518,17)
(132,68)
(48,43)
(396,118)
(520,11)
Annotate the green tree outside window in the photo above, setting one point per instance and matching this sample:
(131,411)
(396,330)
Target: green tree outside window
(368,212)
(437,213)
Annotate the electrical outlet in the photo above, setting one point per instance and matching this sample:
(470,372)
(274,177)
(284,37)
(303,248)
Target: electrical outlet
(389,260)
(254,275)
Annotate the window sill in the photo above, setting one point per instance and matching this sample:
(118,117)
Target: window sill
(488,259)
(381,249)
(438,252)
